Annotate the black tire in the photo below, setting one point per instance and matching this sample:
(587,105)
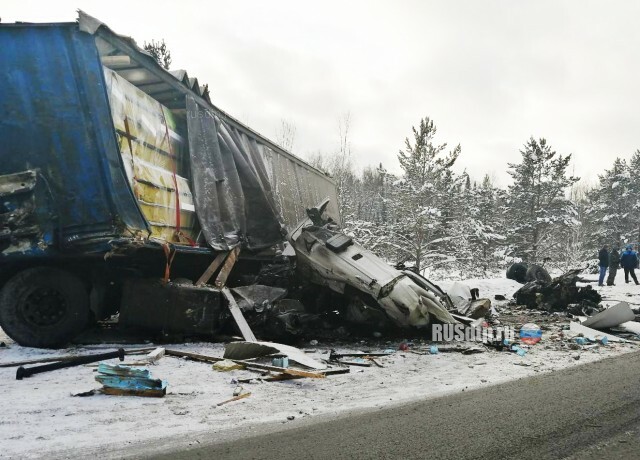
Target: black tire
(537,273)
(518,272)
(44,307)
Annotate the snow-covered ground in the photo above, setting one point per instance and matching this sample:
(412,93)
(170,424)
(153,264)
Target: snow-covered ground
(40,418)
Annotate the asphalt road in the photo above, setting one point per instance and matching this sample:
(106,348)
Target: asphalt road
(590,411)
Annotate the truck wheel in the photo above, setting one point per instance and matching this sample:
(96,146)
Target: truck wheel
(43,307)
(517,272)
(537,272)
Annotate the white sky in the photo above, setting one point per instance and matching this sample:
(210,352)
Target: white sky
(490,73)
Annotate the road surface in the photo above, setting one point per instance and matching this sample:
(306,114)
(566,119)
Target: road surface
(590,411)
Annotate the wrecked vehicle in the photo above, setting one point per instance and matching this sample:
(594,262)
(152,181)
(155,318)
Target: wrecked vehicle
(118,176)
(128,197)
(328,257)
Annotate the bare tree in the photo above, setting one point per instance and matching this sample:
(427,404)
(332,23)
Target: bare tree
(286,135)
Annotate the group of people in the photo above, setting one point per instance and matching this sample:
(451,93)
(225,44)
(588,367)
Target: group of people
(628,260)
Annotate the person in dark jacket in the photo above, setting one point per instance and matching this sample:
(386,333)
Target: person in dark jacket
(603,255)
(629,262)
(614,263)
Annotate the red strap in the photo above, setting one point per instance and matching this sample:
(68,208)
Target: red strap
(169,254)
(175,178)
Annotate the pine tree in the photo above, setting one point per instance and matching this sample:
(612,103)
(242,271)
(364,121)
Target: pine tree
(424,196)
(160,52)
(613,206)
(485,229)
(539,213)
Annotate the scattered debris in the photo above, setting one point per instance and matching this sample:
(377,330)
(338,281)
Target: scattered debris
(124,380)
(246,350)
(592,333)
(250,365)
(557,294)
(475,309)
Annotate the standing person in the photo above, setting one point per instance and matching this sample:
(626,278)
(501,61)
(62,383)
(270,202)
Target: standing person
(614,263)
(603,255)
(629,261)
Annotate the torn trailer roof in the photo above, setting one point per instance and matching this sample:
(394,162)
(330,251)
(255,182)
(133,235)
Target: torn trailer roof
(102,144)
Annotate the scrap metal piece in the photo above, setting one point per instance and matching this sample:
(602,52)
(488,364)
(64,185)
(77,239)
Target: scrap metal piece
(29,371)
(257,296)
(611,317)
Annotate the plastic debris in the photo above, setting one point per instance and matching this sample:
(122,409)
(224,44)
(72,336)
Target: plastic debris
(530,334)
(281,361)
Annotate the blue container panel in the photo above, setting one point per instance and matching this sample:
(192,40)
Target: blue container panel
(56,118)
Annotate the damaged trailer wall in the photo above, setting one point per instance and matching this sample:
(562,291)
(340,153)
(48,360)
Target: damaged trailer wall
(56,121)
(154,155)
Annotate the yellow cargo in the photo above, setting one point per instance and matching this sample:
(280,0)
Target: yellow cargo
(152,150)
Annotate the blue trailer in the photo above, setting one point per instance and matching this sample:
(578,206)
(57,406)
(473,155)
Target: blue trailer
(92,203)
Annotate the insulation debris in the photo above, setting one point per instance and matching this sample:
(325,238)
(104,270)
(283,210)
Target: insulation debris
(124,380)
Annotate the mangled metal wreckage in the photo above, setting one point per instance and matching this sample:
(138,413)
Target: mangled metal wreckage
(127,194)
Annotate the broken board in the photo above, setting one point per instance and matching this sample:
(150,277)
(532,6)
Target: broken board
(246,350)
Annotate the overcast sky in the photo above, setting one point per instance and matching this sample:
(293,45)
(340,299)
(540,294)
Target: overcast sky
(490,73)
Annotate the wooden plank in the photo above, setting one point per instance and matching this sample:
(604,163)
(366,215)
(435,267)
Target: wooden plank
(194,356)
(230,261)
(249,365)
(129,392)
(155,355)
(245,330)
(235,398)
(356,355)
(206,276)
(355,363)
